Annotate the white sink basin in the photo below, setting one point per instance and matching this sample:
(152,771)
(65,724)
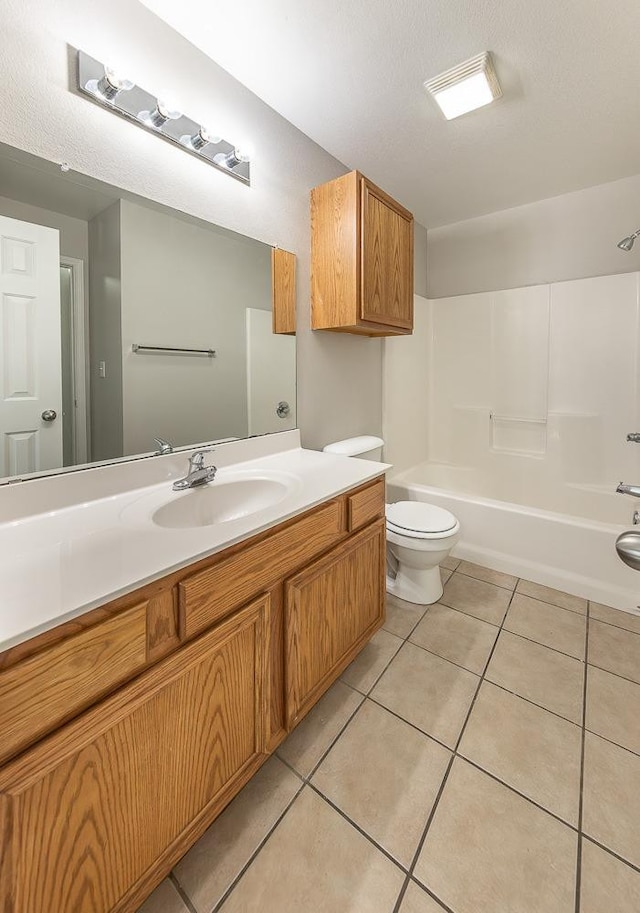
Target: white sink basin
(231,496)
(219,503)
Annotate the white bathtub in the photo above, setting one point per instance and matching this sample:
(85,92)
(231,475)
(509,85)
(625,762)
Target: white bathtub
(567,552)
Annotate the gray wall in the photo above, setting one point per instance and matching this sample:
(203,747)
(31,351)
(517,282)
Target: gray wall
(339,376)
(105,334)
(572,236)
(185,285)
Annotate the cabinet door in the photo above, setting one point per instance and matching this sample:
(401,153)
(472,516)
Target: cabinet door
(92,817)
(387,260)
(331,610)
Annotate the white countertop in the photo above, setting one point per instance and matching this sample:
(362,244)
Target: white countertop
(56,565)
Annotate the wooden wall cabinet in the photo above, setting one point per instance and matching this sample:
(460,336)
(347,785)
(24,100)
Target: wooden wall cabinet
(283,291)
(125,732)
(361,259)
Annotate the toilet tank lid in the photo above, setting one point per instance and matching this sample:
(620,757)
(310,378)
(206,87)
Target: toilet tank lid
(353,446)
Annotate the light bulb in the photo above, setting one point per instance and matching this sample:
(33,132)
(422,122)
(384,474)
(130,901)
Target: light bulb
(229,160)
(200,139)
(159,116)
(109,85)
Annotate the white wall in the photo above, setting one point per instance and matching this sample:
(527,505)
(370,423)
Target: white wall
(340,376)
(572,236)
(525,395)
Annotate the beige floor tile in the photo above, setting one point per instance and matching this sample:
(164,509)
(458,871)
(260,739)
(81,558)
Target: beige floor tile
(165,899)
(614,617)
(607,885)
(304,747)
(427,691)
(316,861)
(547,624)
(487,574)
(613,708)
(489,850)
(210,866)
(615,650)
(445,574)
(611,799)
(385,776)
(416,900)
(370,663)
(401,616)
(475,597)
(528,748)
(450,563)
(539,674)
(555,597)
(456,636)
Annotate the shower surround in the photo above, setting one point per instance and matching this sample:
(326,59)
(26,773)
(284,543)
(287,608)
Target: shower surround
(511,409)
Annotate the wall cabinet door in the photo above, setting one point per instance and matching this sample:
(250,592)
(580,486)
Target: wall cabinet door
(331,609)
(387,260)
(92,816)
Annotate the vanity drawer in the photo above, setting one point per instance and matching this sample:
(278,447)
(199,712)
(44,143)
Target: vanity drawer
(41,692)
(213,593)
(366,505)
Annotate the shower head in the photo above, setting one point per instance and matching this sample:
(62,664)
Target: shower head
(627,243)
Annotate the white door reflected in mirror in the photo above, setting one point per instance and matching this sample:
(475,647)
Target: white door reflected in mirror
(30,379)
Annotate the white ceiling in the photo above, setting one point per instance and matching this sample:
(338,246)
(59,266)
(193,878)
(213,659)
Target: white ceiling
(349,74)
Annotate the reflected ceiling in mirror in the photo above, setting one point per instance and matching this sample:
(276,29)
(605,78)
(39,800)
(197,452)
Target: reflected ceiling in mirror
(124,321)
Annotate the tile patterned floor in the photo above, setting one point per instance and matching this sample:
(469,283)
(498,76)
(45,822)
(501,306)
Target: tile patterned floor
(481,755)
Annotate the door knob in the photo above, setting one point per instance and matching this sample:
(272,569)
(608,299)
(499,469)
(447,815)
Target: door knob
(283,409)
(49,415)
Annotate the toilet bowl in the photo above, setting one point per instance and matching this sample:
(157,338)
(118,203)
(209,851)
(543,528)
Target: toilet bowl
(419,536)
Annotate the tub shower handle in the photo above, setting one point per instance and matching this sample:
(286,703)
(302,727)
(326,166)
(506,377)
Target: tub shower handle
(634,437)
(633,490)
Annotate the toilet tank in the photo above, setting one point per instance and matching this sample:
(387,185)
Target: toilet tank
(366,447)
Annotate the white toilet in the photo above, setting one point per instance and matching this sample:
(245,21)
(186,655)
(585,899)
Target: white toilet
(419,535)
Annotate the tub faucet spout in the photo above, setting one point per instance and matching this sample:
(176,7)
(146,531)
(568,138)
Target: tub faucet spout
(633,490)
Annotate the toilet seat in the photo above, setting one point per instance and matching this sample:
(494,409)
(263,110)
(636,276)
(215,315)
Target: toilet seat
(417,520)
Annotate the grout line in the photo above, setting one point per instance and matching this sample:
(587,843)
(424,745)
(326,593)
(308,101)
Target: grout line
(445,658)
(539,644)
(604,738)
(445,779)
(581,793)
(501,586)
(186,900)
(607,849)
(533,703)
(357,827)
(617,674)
(612,624)
(221,900)
(466,614)
(555,604)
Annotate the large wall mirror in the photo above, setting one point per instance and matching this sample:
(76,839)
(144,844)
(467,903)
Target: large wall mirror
(123,321)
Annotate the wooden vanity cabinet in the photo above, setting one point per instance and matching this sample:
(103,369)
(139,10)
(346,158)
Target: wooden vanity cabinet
(361,259)
(113,776)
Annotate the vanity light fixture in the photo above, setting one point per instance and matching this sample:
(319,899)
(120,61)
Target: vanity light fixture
(122,96)
(465,87)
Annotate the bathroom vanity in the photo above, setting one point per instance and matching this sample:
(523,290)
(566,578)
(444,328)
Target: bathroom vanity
(128,724)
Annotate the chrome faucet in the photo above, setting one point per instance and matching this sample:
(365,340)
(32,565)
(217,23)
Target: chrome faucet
(634,437)
(633,490)
(198,474)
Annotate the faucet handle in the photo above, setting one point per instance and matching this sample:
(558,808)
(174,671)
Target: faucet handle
(165,446)
(196,460)
(634,437)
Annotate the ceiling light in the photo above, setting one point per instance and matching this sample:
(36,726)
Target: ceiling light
(464,88)
(200,139)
